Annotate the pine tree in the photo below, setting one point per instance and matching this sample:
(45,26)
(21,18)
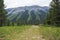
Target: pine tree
(54,16)
(2,14)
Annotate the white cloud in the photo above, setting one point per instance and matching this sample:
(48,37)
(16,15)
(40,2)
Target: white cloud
(17,3)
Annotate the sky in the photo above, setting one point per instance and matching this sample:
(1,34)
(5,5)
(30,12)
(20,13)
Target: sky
(20,3)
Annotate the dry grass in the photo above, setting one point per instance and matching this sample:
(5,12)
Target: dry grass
(10,33)
(20,33)
(50,32)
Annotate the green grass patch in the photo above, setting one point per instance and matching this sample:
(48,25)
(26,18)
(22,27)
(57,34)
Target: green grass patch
(50,32)
(8,33)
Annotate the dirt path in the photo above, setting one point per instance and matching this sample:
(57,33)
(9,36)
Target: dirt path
(30,34)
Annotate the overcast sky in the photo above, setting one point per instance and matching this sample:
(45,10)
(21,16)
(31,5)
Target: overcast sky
(19,3)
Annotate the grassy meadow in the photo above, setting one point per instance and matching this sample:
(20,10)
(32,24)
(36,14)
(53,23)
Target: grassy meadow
(47,32)
(10,33)
(50,32)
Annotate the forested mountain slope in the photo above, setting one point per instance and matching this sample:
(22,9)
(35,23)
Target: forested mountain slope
(28,14)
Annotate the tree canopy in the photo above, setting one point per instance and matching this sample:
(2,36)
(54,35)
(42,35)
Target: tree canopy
(54,13)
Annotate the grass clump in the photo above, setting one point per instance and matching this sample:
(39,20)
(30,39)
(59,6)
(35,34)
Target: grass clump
(9,33)
(50,32)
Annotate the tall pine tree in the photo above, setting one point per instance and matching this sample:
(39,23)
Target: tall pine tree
(54,13)
(2,14)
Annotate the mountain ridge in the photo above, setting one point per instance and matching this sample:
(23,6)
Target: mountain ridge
(28,14)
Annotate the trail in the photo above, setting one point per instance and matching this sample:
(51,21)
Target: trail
(30,34)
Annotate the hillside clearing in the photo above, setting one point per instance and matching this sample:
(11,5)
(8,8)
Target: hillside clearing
(29,32)
(8,33)
(50,32)
(20,33)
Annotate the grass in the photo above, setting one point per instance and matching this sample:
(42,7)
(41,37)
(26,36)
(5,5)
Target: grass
(50,32)
(9,33)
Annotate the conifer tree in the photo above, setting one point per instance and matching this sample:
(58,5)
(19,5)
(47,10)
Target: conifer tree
(54,13)
(2,14)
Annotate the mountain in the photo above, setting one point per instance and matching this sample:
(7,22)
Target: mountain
(28,14)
